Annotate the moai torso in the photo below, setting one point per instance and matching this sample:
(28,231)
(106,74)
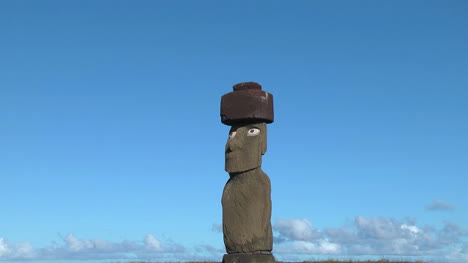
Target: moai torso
(246,197)
(247,212)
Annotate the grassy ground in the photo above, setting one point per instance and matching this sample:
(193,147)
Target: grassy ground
(359,261)
(318,261)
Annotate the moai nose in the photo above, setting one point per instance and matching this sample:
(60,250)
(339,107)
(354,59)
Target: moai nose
(228,147)
(234,143)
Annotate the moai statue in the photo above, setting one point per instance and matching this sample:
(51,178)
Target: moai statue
(246,197)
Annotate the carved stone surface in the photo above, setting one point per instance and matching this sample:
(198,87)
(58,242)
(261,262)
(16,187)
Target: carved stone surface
(248,258)
(248,102)
(246,197)
(244,148)
(247,212)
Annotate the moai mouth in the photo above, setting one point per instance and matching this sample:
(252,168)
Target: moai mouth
(246,197)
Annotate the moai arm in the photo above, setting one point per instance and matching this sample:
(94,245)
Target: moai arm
(246,197)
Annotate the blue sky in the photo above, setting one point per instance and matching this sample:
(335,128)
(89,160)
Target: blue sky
(111,145)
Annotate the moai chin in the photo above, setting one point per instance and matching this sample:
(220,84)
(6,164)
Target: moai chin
(246,197)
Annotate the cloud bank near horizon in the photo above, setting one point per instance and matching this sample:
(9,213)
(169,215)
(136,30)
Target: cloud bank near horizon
(373,236)
(293,237)
(74,248)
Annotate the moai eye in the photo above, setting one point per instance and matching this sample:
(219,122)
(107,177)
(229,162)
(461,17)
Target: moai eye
(232,134)
(253,132)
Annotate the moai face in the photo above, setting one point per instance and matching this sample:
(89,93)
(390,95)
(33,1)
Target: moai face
(245,146)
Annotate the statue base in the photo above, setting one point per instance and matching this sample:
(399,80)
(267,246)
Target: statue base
(248,258)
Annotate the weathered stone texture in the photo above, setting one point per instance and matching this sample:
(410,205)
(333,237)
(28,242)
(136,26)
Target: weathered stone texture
(246,213)
(248,258)
(248,102)
(246,197)
(243,152)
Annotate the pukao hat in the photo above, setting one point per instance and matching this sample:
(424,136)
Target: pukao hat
(247,103)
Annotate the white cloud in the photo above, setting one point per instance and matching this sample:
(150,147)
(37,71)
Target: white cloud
(151,243)
(75,245)
(294,238)
(439,205)
(378,228)
(412,229)
(3,247)
(302,237)
(296,229)
(75,248)
(21,250)
(319,247)
(373,236)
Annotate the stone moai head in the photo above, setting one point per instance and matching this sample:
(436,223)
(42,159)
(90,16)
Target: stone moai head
(245,146)
(247,110)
